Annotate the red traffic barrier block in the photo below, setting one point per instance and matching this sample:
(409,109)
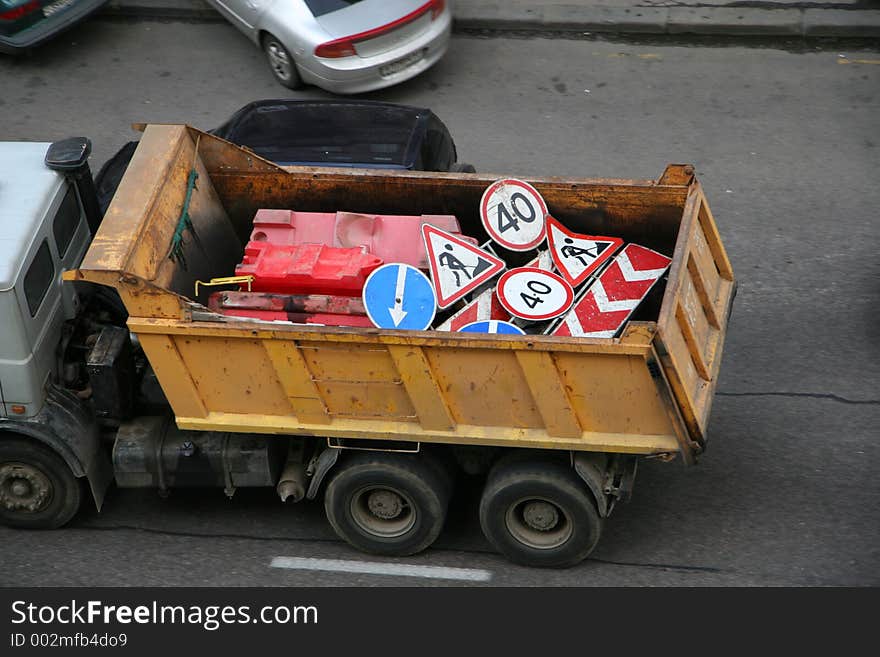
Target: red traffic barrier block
(306,268)
(329,310)
(393,238)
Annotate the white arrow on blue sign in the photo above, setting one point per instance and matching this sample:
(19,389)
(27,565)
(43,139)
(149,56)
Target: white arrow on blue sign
(491,326)
(399,296)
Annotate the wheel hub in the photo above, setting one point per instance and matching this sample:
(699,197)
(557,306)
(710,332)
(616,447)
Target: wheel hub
(541,516)
(23,488)
(278,59)
(385,504)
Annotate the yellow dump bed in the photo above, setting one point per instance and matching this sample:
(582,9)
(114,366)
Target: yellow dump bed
(647,392)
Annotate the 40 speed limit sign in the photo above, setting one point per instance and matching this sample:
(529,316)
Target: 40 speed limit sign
(534,294)
(513,214)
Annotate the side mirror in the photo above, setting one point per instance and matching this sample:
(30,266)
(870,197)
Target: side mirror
(71,157)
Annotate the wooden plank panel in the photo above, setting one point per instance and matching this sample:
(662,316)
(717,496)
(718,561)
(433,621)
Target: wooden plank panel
(705,264)
(421,386)
(707,221)
(296,379)
(696,316)
(549,393)
(173,375)
(701,289)
(693,347)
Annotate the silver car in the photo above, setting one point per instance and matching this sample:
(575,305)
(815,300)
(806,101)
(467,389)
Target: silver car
(344,46)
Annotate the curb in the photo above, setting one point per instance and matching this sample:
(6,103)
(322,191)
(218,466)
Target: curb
(678,21)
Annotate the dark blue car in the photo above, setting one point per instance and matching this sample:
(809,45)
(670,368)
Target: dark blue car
(336,133)
(28,23)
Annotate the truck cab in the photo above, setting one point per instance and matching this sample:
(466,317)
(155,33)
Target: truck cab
(49,439)
(43,231)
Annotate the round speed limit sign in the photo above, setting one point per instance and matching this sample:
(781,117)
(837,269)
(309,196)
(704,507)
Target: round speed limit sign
(534,294)
(513,214)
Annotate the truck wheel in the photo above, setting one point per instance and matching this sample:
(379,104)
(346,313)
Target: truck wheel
(37,489)
(281,63)
(388,504)
(539,514)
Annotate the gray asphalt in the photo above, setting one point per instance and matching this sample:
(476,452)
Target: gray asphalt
(786,145)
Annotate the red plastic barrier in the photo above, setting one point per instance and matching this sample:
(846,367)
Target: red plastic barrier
(393,238)
(306,268)
(300,308)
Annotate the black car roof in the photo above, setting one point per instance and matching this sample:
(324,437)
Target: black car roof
(343,132)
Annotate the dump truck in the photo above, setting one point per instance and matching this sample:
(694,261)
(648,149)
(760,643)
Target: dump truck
(114,370)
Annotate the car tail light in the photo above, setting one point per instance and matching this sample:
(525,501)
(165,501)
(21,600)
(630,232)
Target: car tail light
(345,47)
(19,12)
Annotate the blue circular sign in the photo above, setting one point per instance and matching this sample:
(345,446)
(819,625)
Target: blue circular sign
(399,296)
(492,326)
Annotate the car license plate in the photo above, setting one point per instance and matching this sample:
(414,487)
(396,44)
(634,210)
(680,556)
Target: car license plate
(55,7)
(402,63)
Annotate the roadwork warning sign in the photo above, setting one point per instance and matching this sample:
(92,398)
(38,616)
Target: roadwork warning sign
(456,266)
(578,256)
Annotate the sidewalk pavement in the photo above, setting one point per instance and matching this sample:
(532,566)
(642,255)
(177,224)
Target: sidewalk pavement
(768,18)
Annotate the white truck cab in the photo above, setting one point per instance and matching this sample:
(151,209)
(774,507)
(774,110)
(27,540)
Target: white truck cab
(49,437)
(43,231)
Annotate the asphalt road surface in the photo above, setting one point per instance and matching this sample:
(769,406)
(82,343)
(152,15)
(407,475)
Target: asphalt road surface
(787,146)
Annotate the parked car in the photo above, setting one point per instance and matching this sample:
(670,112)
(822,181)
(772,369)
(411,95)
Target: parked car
(25,24)
(344,46)
(335,133)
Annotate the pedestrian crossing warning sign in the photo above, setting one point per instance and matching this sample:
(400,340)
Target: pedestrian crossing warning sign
(577,256)
(456,266)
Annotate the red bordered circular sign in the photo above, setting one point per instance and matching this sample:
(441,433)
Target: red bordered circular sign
(513,214)
(534,294)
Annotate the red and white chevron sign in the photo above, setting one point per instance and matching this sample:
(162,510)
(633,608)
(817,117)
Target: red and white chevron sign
(613,297)
(485,307)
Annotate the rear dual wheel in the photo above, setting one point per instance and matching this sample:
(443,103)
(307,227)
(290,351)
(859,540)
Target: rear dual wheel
(388,504)
(539,513)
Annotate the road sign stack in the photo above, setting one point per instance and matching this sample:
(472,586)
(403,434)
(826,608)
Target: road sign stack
(396,272)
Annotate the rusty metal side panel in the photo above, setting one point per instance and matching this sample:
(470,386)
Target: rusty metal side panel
(694,314)
(132,246)
(453,389)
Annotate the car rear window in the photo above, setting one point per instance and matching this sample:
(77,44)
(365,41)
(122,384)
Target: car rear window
(321,7)
(343,134)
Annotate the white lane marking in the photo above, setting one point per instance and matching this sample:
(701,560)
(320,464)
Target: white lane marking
(381,568)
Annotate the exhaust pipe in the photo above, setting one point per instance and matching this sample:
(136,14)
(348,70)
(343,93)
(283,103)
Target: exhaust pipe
(292,483)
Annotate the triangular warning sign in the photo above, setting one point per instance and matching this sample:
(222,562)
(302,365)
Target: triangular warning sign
(577,256)
(457,267)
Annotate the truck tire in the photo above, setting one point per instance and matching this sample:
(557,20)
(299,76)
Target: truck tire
(388,504)
(37,489)
(539,513)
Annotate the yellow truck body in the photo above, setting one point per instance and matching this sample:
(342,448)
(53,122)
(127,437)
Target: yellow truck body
(648,392)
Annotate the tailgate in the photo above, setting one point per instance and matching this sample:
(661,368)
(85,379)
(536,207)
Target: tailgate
(694,314)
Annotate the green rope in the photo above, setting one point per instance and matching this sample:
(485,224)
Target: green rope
(184,223)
